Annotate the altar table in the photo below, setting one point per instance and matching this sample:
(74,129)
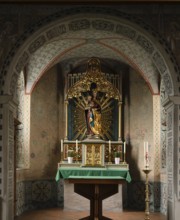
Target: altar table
(95,184)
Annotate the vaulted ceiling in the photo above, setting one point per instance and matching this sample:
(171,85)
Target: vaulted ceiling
(89,43)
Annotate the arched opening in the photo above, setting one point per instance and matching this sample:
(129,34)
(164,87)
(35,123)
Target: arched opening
(53,52)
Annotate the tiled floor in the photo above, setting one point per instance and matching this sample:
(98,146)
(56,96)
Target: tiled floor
(58,214)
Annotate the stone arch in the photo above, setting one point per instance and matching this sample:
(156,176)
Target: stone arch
(72,21)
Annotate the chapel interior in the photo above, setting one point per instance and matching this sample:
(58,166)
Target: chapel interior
(45,54)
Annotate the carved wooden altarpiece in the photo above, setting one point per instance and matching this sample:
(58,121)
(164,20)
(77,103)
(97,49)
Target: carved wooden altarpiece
(93,119)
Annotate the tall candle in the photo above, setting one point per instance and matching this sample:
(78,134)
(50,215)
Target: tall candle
(109,146)
(144,153)
(147,147)
(124,147)
(76,145)
(61,145)
(147,154)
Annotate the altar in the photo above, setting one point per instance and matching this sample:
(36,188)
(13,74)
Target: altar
(93,152)
(93,173)
(95,184)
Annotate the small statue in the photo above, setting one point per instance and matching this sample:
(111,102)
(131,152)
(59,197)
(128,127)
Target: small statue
(93,115)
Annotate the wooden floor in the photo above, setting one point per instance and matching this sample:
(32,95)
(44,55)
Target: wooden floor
(58,214)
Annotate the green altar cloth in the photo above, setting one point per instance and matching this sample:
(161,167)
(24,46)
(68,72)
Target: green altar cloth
(92,173)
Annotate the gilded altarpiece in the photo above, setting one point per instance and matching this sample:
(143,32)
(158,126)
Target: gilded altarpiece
(93,119)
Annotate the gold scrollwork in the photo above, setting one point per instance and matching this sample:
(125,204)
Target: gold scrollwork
(93,96)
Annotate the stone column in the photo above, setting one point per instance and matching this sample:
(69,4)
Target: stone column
(173,158)
(156,152)
(156,136)
(170,160)
(7,157)
(26,130)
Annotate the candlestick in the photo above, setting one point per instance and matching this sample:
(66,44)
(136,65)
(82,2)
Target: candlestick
(147,171)
(61,150)
(147,155)
(61,157)
(109,146)
(124,153)
(61,145)
(76,145)
(67,149)
(110,162)
(124,147)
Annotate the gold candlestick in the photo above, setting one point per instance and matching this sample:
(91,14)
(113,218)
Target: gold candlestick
(147,171)
(62,157)
(110,162)
(124,162)
(77,157)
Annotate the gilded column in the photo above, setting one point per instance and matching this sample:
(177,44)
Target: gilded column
(120,124)
(66,124)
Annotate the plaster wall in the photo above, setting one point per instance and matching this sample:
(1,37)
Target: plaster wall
(45,128)
(36,187)
(138,127)
(138,122)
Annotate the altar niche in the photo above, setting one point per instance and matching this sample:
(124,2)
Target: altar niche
(93,134)
(93,118)
(93,106)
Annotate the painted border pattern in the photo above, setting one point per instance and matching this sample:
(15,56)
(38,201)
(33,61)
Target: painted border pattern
(170,155)
(104,25)
(10,165)
(38,194)
(156,135)
(26,122)
(164,198)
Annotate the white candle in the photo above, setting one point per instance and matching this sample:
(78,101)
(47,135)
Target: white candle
(61,145)
(147,154)
(144,153)
(76,145)
(124,147)
(147,148)
(109,146)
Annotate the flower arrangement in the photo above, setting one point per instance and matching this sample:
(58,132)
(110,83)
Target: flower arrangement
(116,154)
(71,153)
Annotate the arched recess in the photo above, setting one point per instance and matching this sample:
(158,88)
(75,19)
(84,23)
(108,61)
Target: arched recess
(79,23)
(58,37)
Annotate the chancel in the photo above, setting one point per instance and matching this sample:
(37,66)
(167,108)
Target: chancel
(94,102)
(89,110)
